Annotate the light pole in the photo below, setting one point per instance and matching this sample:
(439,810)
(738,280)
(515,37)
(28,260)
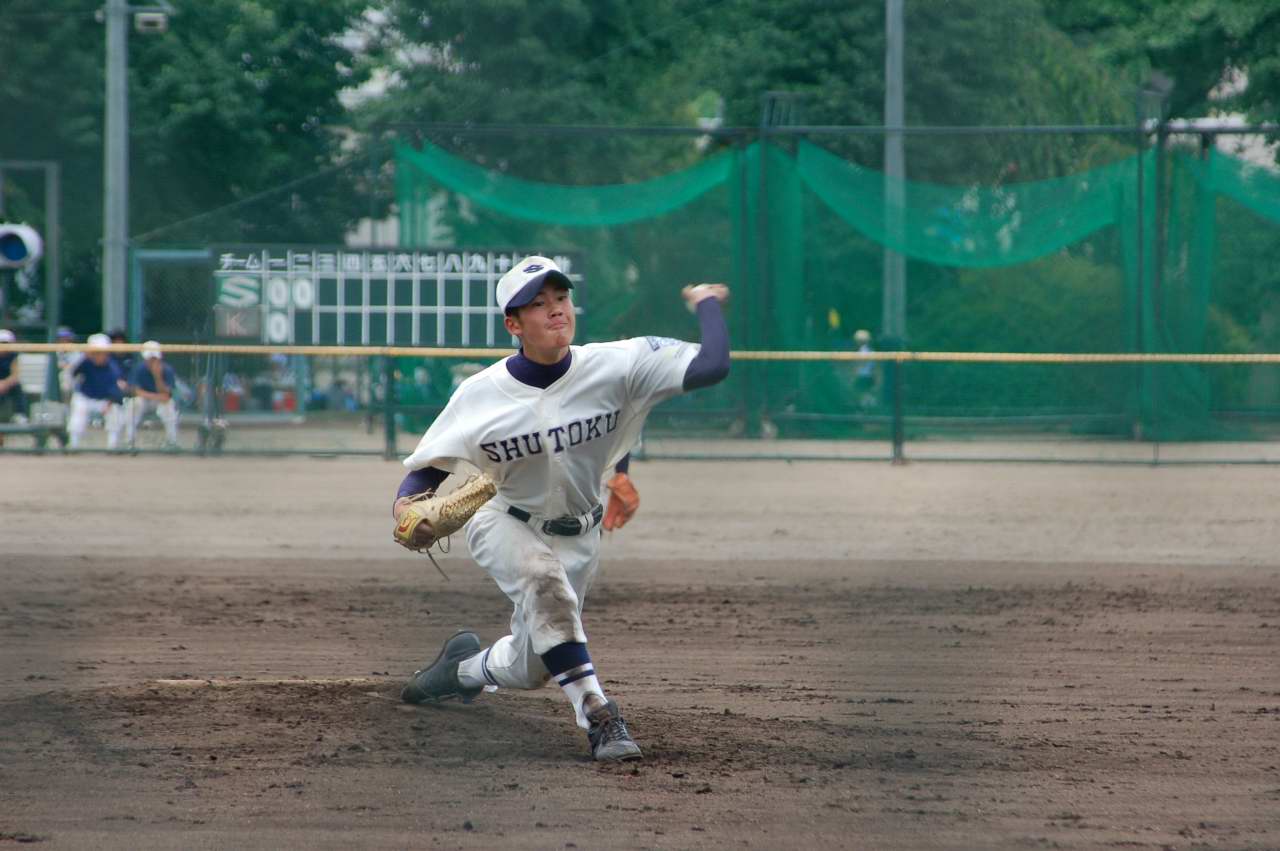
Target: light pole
(115,206)
(115,158)
(894,319)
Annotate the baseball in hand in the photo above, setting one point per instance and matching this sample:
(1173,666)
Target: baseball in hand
(694,293)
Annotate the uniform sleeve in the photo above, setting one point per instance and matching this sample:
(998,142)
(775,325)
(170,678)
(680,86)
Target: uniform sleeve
(116,375)
(657,369)
(417,481)
(444,444)
(712,363)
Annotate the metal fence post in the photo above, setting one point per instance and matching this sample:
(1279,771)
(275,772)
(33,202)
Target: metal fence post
(1140,294)
(896,367)
(389,406)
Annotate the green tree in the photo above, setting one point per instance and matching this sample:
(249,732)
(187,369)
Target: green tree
(1197,43)
(238,97)
(241,96)
(52,93)
(538,62)
(612,62)
(966,62)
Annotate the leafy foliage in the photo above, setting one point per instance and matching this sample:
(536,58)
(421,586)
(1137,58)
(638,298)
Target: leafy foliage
(568,61)
(239,96)
(1197,43)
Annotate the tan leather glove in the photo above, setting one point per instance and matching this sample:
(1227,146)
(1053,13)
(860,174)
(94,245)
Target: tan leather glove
(427,517)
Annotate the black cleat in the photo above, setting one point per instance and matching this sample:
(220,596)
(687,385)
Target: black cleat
(439,680)
(610,741)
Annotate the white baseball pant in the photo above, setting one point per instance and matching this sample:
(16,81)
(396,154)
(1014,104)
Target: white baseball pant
(167,411)
(78,420)
(546,577)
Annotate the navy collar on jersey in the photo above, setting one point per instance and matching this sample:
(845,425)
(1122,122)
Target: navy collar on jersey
(534,374)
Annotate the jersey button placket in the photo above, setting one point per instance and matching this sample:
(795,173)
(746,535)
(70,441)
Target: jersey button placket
(548,413)
(559,478)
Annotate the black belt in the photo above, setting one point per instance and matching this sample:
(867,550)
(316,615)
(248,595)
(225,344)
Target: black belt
(565,526)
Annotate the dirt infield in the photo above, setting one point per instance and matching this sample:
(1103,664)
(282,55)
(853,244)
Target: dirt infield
(206,653)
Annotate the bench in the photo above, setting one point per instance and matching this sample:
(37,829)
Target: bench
(33,373)
(48,419)
(42,432)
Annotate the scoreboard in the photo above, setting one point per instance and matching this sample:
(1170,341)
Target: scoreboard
(339,296)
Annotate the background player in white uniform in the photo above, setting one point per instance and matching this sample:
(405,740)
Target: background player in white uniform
(97,381)
(546,424)
(152,382)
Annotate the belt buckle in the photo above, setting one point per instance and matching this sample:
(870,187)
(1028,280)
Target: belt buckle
(565,527)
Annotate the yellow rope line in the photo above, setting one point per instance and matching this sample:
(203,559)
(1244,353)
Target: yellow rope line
(899,357)
(1009,357)
(328,351)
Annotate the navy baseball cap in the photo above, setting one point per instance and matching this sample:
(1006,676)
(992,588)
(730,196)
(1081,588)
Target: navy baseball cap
(526,279)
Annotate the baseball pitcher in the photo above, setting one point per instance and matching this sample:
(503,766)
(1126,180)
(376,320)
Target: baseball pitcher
(544,426)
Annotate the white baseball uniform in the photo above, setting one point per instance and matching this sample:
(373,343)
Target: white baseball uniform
(548,450)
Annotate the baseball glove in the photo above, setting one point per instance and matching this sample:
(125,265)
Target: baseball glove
(428,517)
(624,499)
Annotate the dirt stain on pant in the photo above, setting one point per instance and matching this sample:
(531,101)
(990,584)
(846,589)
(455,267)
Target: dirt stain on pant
(550,601)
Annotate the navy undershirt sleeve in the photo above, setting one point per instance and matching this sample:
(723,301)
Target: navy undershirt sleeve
(623,465)
(711,364)
(426,479)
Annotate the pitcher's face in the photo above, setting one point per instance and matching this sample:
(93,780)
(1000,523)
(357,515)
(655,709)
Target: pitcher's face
(545,325)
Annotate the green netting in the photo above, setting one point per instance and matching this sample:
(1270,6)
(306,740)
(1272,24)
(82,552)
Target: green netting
(970,226)
(1044,266)
(1125,256)
(1217,290)
(637,243)
(1250,184)
(578,206)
